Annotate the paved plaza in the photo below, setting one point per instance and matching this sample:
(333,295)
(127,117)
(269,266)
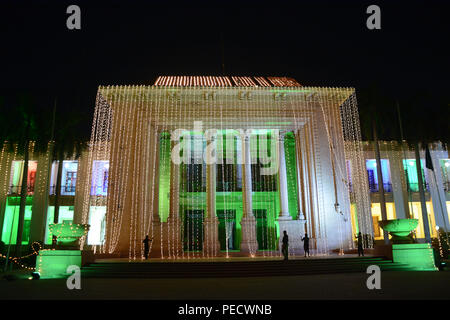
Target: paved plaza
(394,285)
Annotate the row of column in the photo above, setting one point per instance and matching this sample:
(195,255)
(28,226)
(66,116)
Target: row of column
(400,192)
(294,228)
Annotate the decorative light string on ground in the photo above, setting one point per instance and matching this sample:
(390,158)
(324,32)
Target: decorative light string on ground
(17,259)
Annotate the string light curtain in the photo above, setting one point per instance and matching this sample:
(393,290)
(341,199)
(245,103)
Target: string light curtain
(133,129)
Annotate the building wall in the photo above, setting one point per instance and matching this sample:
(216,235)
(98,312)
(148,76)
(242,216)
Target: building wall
(338,231)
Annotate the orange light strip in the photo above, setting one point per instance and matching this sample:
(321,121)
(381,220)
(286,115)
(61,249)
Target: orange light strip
(222,81)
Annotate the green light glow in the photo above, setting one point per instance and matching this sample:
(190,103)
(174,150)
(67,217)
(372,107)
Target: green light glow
(409,166)
(419,256)
(291,172)
(11,221)
(229,205)
(164,177)
(266,207)
(267,226)
(54,263)
(65,215)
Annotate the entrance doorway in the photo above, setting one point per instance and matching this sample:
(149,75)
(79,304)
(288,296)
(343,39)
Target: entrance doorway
(265,231)
(193,230)
(227,229)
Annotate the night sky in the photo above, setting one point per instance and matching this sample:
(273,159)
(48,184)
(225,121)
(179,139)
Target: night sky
(320,43)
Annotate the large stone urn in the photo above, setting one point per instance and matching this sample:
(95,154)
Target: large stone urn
(68,234)
(51,263)
(417,256)
(400,229)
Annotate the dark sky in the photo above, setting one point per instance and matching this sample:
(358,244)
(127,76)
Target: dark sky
(323,43)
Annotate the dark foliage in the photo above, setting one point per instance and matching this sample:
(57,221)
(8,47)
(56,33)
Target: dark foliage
(424,117)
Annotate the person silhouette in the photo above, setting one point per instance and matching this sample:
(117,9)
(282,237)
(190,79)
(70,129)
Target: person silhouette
(360,245)
(146,246)
(305,240)
(285,246)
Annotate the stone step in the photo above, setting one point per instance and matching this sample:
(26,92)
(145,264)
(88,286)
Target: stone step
(235,269)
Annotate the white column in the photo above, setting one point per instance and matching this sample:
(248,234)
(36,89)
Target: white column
(300,184)
(211,243)
(294,228)
(247,173)
(249,243)
(83,182)
(437,192)
(380,185)
(174,220)
(398,185)
(426,224)
(284,204)
(157,232)
(40,199)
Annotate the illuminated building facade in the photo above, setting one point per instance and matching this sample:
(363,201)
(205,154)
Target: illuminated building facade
(214,166)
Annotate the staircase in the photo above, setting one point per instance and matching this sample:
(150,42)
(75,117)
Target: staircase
(235,268)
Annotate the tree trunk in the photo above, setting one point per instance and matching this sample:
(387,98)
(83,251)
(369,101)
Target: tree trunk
(57,194)
(380,182)
(58,187)
(426,225)
(23,201)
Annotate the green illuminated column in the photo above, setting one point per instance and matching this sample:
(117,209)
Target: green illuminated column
(164,176)
(291,172)
(294,228)
(5,162)
(282,182)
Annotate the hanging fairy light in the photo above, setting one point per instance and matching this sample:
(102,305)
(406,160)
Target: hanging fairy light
(121,135)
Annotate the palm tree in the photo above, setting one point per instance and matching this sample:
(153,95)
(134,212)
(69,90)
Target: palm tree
(23,123)
(375,121)
(426,120)
(422,127)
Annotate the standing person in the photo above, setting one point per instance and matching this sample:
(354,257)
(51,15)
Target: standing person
(305,240)
(285,246)
(360,245)
(146,246)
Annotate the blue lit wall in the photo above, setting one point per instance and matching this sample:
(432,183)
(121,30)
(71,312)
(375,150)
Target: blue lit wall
(371,167)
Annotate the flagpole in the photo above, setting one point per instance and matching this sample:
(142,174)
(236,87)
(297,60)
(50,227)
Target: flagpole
(430,166)
(425,221)
(408,208)
(440,205)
